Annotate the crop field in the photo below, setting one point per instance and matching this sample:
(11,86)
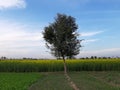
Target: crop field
(85,80)
(96,80)
(57,65)
(97,74)
(17,81)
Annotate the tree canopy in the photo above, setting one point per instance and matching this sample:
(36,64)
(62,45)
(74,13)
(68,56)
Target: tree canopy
(61,37)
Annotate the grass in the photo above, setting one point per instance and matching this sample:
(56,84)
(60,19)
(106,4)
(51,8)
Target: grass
(17,81)
(85,80)
(96,80)
(98,74)
(52,81)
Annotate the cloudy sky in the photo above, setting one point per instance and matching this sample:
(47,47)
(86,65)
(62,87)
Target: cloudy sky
(22,23)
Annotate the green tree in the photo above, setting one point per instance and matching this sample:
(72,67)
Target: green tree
(61,37)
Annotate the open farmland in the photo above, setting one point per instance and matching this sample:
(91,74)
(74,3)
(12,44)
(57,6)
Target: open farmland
(18,81)
(97,74)
(85,80)
(57,65)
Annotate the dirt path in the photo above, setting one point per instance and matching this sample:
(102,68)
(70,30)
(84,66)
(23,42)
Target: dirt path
(72,84)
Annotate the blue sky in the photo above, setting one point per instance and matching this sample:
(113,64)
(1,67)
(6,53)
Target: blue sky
(22,23)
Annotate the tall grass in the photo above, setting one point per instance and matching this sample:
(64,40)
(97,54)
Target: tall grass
(57,65)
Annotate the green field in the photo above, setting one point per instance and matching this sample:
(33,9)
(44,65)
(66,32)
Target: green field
(52,81)
(17,81)
(97,74)
(85,80)
(97,80)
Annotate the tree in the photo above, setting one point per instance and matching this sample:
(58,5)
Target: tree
(61,37)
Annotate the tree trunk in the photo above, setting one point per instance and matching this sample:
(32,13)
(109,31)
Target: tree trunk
(65,67)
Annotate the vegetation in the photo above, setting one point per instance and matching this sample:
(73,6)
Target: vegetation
(52,81)
(61,37)
(17,81)
(108,80)
(57,65)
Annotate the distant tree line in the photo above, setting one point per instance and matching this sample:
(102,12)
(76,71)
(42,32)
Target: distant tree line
(3,58)
(96,57)
(25,58)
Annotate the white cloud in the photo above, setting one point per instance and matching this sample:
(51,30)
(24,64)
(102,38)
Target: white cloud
(104,52)
(85,34)
(17,32)
(90,40)
(5,4)
(16,40)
